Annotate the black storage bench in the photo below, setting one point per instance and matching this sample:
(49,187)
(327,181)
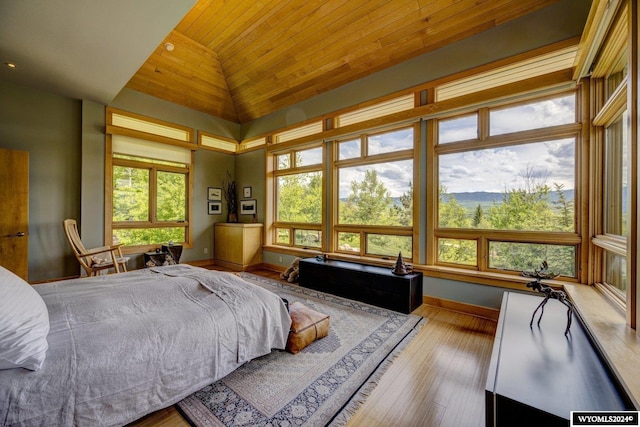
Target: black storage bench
(537,376)
(369,284)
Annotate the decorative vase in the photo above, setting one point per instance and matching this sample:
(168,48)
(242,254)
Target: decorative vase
(232,217)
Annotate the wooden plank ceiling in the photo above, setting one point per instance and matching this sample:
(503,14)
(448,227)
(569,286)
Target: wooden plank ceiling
(243,59)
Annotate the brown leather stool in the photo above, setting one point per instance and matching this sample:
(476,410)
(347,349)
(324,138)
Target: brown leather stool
(307,325)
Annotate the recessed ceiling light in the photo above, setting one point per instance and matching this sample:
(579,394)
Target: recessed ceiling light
(10,64)
(169,47)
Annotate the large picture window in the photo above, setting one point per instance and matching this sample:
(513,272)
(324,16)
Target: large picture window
(298,197)
(149,181)
(506,189)
(506,201)
(149,201)
(375,194)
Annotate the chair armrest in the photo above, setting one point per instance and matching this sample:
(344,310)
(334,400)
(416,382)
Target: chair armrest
(96,251)
(116,248)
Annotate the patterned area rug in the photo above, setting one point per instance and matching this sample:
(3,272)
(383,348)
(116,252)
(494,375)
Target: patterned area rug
(323,384)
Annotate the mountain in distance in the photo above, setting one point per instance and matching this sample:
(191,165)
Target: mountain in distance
(470,200)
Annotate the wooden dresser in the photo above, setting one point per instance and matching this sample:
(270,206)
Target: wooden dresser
(237,246)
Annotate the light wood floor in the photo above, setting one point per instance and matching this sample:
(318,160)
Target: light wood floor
(438,380)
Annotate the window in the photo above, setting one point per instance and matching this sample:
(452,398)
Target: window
(298,194)
(506,202)
(217,143)
(395,105)
(611,241)
(614,273)
(534,115)
(616,164)
(298,132)
(374,196)
(149,201)
(612,151)
(506,189)
(458,129)
(518,256)
(557,60)
(149,186)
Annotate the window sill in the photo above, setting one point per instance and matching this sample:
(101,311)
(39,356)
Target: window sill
(299,252)
(617,342)
(306,253)
(139,250)
(509,281)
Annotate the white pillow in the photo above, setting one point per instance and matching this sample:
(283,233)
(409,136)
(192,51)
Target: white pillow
(24,324)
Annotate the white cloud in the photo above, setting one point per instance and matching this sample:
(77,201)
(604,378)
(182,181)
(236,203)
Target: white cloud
(395,176)
(497,169)
(535,115)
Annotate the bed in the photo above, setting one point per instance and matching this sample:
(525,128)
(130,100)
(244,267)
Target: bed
(123,345)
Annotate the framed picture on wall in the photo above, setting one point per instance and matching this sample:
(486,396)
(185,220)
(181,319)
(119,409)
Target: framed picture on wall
(247,192)
(247,207)
(214,193)
(214,208)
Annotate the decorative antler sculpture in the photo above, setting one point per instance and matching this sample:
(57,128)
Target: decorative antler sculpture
(544,274)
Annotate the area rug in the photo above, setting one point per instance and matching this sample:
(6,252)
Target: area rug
(323,384)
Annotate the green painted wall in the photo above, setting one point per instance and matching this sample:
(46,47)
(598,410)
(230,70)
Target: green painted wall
(210,166)
(250,172)
(91,219)
(66,143)
(49,128)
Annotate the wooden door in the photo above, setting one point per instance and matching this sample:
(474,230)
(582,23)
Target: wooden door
(14,213)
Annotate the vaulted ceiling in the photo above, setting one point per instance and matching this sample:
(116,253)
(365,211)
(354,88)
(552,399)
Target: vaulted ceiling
(239,60)
(243,59)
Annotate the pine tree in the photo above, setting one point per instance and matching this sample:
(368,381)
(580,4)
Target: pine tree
(477,216)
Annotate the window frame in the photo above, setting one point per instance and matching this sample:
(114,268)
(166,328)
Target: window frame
(110,162)
(483,141)
(609,104)
(365,160)
(427,108)
(273,173)
(152,221)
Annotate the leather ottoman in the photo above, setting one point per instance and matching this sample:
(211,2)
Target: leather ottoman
(307,325)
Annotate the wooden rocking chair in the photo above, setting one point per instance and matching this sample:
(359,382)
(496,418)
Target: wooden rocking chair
(97,259)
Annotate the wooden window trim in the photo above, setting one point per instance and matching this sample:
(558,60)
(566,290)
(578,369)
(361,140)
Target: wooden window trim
(110,162)
(271,223)
(367,160)
(484,141)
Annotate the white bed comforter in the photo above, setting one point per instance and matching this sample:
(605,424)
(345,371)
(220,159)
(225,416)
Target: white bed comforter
(121,346)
